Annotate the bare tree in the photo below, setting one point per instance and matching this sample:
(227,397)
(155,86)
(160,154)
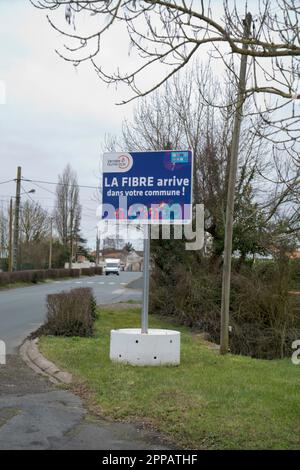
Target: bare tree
(67,212)
(4,236)
(34,222)
(266,208)
(170,33)
(157,124)
(207,130)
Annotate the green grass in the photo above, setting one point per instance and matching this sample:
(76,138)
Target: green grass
(15,285)
(208,402)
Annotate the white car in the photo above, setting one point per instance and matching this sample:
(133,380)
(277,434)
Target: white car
(112,266)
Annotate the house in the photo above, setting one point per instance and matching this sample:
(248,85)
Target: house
(134,261)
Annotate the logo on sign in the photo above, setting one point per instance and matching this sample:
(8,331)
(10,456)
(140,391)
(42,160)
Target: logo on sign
(179,157)
(124,162)
(117,162)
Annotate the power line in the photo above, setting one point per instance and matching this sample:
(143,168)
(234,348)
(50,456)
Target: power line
(84,208)
(61,184)
(8,196)
(8,181)
(27,194)
(37,184)
(44,189)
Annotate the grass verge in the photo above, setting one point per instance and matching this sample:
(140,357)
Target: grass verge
(15,285)
(208,402)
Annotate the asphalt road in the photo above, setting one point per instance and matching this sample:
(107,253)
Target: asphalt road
(34,413)
(37,415)
(23,309)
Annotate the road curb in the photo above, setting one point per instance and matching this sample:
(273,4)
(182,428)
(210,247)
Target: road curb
(31,355)
(135,284)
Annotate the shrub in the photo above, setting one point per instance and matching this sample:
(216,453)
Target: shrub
(88,271)
(35,277)
(4,278)
(94,308)
(265,318)
(85,292)
(75,272)
(98,270)
(70,313)
(295,274)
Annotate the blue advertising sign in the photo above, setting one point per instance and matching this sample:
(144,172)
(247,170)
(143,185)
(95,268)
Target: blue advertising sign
(148,187)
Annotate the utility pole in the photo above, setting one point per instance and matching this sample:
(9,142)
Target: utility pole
(97,247)
(10,250)
(146,267)
(117,235)
(16,221)
(233,162)
(50,245)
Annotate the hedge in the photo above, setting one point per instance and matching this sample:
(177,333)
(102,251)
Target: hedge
(36,275)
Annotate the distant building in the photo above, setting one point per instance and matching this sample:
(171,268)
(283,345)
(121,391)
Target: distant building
(81,259)
(113,253)
(134,261)
(295,254)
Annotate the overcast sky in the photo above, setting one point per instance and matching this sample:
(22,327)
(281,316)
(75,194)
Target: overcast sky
(53,114)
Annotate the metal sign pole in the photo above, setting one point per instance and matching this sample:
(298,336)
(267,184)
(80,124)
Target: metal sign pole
(146,278)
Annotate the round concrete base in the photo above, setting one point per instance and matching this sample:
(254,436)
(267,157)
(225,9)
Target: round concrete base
(157,347)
